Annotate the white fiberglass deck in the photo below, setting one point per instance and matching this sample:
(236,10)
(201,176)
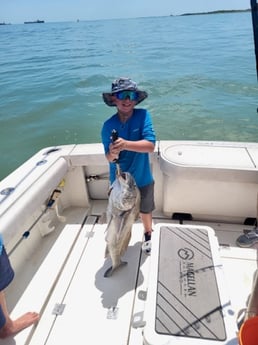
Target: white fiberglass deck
(83,307)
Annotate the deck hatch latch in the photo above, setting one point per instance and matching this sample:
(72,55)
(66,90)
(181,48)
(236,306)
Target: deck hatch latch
(58,309)
(142,295)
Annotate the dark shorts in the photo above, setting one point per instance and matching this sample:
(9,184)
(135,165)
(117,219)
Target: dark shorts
(147,198)
(6,276)
(6,271)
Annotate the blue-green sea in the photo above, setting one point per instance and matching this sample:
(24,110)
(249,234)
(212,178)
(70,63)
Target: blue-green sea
(199,72)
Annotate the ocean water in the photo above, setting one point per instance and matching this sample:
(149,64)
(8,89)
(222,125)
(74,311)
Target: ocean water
(199,72)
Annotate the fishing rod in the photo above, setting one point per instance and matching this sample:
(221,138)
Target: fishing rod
(254,9)
(114,137)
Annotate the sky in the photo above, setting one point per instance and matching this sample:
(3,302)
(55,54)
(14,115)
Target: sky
(18,11)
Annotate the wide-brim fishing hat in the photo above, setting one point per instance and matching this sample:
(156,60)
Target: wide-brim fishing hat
(123,84)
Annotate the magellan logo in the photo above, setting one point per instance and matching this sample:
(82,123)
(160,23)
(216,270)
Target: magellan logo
(185,253)
(187,272)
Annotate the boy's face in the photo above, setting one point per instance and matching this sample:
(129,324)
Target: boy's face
(125,106)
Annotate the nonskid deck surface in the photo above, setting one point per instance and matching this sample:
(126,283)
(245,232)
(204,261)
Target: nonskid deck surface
(185,266)
(83,305)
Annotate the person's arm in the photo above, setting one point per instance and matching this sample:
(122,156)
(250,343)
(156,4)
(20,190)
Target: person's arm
(122,144)
(136,146)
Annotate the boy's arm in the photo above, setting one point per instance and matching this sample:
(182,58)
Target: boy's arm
(121,144)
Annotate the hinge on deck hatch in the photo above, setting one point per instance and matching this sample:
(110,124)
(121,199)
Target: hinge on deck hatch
(89,234)
(58,309)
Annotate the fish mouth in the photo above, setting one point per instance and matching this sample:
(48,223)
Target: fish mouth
(125,176)
(127,181)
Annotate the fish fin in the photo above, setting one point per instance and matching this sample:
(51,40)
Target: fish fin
(123,219)
(110,190)
(110,270)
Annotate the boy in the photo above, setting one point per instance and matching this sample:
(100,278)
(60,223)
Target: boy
(136,139)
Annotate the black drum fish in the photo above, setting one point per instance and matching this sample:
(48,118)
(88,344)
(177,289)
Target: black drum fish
(122,211)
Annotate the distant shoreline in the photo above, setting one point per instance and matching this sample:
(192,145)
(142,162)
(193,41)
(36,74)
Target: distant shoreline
(213,12)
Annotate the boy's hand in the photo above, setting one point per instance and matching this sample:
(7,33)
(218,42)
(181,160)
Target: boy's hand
(118,146)
(114,153)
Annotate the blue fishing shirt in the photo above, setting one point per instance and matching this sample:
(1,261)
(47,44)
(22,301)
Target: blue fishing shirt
(137,127)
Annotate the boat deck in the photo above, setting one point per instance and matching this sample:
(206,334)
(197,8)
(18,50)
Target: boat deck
(78,305)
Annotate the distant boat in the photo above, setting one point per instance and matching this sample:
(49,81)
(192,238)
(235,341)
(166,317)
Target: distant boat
(35,22)
(3,23)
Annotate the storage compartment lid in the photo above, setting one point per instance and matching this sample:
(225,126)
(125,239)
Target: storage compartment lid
(186,300)
(208,156)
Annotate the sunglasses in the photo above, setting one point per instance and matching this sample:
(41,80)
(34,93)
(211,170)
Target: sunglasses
(122,95)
